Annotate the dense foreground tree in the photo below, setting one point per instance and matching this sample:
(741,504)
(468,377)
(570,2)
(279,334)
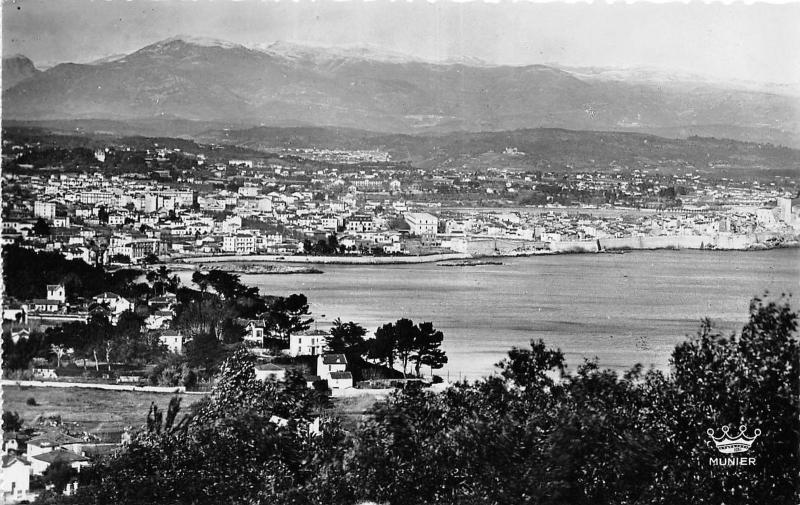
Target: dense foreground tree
(533,434)
(226,449)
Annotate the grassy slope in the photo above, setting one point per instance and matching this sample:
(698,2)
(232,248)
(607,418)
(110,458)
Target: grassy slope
(92,409)
(101,410)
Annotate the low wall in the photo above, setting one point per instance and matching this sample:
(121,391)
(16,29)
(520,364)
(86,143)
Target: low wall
(717,241)
(722,241)
(485,246)
(89,385)
(685,242)
(574,246)
(379,394)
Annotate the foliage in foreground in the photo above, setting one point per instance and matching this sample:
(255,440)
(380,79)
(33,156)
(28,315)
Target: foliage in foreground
(520,437)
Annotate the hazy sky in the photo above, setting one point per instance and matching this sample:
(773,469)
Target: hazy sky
(758,42)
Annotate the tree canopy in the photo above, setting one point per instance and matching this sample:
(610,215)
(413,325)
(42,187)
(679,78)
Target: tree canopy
(409,343)
(533,434)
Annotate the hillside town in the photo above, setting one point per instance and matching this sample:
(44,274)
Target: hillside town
(179,204)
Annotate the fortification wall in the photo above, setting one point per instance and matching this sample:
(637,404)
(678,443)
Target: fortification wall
(574,246)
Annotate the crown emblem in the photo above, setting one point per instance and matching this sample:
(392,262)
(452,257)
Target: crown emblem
(728,444)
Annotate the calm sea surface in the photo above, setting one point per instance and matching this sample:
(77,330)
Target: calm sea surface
(621,308)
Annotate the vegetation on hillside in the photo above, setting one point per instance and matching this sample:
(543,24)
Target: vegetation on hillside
(522,436)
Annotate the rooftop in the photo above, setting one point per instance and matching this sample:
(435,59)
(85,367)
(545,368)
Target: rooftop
(334,359)
(9,460)
(59,455)
(269,367)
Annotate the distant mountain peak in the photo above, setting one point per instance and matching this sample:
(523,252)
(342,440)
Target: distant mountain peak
(18,56)
(194,41)
(17,68)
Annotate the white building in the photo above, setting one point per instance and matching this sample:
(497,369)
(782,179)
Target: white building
(241,163)
(16,479)
(785,209)
(115,302)
(44,210)
(56,292)
(329,363)
(172,340)
(269,371)
(360,224)
(178,197)
(256,331)
(50,442)
(422,223)
(310,343)
(240,243)
(340,380)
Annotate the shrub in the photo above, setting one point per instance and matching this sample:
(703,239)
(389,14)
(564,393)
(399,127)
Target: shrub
(31,402)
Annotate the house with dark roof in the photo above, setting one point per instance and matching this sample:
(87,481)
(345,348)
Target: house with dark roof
(51,441)
(41,462)
(340,380)
(56,292)
(333,368)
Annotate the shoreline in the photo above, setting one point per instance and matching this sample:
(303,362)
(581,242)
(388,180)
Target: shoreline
(196,261)
(250,264)
(246,267)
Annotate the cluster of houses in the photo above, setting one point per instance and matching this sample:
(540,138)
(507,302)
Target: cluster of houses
(25,457)
(102,219)
(329,367)
(275,208)
(54,309)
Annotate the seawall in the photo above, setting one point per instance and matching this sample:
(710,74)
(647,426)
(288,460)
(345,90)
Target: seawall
(720,241)
(349,260)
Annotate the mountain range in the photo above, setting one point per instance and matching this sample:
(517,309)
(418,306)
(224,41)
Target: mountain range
(187,79)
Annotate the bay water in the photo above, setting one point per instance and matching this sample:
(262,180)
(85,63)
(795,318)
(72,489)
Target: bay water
(621,309)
